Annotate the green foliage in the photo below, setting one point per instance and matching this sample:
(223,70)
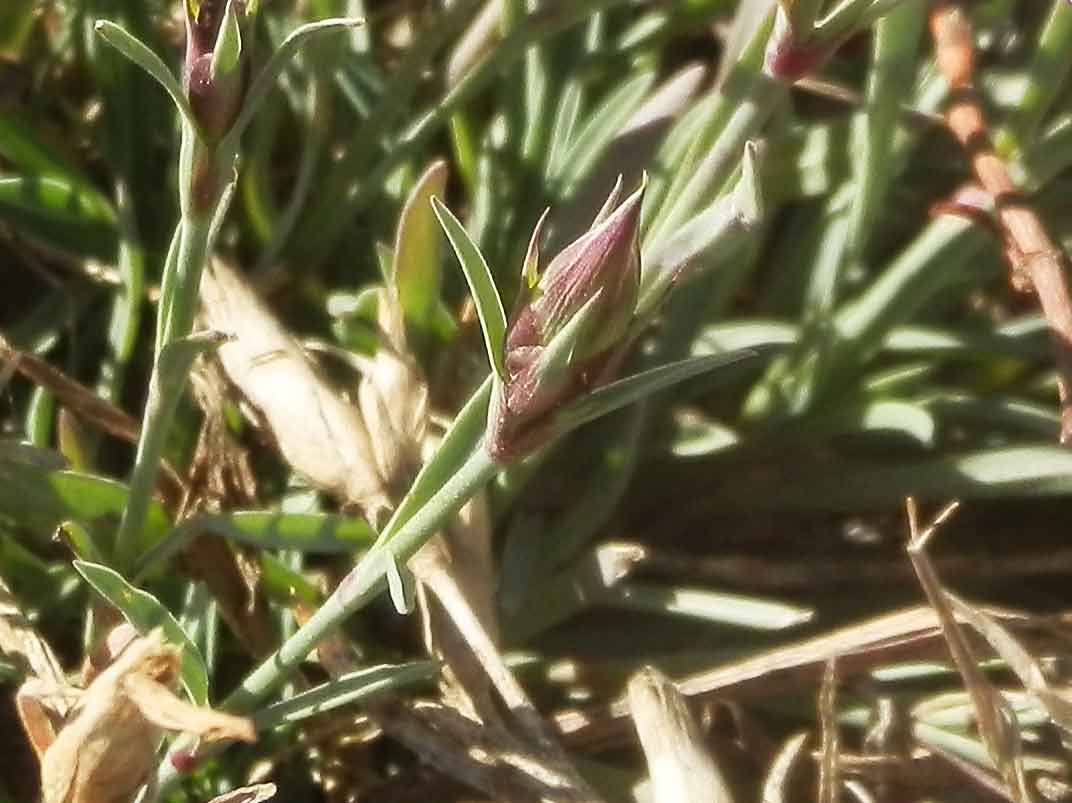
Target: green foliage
(815,337)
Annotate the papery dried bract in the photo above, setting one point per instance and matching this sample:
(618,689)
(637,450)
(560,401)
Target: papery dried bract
(320,434)
(393,397)
(109,748)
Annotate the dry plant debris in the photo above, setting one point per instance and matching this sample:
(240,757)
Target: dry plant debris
(106,747)
(1036,261)
(680,762)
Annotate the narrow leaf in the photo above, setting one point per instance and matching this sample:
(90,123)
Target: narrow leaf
(347,689)
(145,612)
(417,265)
(400,585)
(317,533)
(267,77)
(228,48)
(624,392)
(489,305)
(461,440)
(135,50)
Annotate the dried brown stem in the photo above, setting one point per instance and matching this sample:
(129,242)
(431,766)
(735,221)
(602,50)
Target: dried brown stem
(1035,260)
(85,403)
(910,634)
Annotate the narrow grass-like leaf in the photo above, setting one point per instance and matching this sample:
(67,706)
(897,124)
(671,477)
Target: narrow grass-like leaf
(284,585)
(52,211)
(269,74)
(135,50)
(37,492)
(317,533)
(896,45)
(710,606)
(489,304)
(350,688)
(1019,471)
(600,128)
(401,585)
(145,612)
(80,539)
(417,264)
(28,152)
(624,392)
(165,392)
(1046,77)
(875,416)
(724,226)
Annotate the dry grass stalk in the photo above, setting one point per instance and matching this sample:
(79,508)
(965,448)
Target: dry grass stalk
(247,794)
(1056,702)
(19,640)
(911,634)
(1036,261)
(776,783)
(997,723)
(679,762)
(84,403)
(830,745)
(107,748)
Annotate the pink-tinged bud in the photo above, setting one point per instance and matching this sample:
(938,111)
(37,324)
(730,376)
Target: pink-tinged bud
(215,70)
(587,295)
(184,761)
(790,60)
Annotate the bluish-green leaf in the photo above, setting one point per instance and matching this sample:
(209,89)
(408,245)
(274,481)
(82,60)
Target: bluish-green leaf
(462,439)
(320,533)
(624,392)
(269,74)
(145,612)
(350,688)
(417,264)
(489,306)
(400,585)
(136,50)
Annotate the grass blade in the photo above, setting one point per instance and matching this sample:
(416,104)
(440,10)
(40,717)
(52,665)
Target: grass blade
(489,306)
(145,612)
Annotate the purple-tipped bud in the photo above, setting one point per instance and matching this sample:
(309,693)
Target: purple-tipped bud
(588,296)
(215,69)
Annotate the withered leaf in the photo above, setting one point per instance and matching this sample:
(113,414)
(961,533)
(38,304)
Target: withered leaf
(247,794)
(107,748)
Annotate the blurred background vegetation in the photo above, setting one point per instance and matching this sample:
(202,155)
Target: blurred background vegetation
(700,527)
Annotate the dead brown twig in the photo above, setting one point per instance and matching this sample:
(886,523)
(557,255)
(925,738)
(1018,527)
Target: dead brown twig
(1035,260)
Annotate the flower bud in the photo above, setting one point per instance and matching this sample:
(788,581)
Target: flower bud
(567,324)
(215,70)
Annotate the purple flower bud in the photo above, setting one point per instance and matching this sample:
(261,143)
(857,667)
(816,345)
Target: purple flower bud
(597,276)
(215,68)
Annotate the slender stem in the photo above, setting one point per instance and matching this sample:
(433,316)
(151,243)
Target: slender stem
(162,404)
(366,580)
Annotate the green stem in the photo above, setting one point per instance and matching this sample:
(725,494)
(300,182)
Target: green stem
(163,398)
(366,580)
